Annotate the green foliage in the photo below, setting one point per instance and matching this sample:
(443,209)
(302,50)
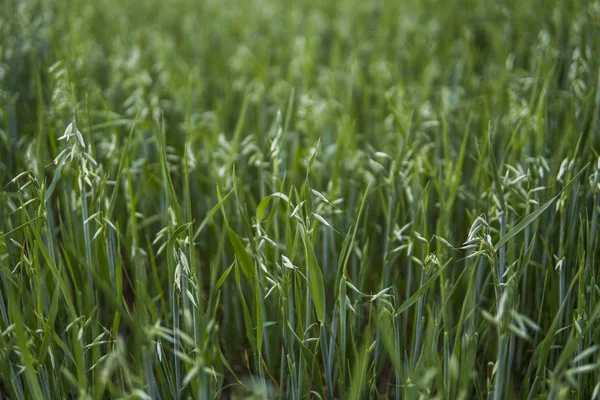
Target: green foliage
(308,199)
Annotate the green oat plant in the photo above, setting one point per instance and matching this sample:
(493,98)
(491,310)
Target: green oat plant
(299,200)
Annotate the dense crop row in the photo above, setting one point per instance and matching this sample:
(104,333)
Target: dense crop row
(346,199)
